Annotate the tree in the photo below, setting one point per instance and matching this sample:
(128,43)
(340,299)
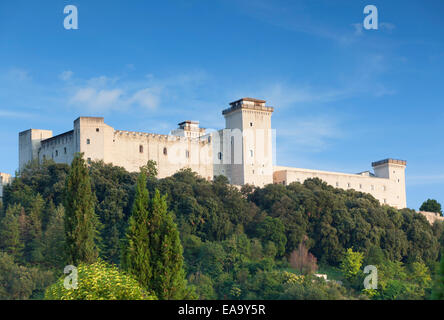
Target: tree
(431,205)
(54,240)
(168,277)
(152,250)
(136,256)
(351,264)
(81,223)
(302,260)
(272,229)
(99,281)
(438,288)
(150,169)
(10,232)
(33,249)
(20,282)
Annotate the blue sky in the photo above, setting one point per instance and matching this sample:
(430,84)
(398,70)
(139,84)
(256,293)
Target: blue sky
(343,96)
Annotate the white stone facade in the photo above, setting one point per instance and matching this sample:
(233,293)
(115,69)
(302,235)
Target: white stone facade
(243,152)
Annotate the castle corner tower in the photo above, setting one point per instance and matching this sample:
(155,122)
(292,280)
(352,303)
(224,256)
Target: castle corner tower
(247,137)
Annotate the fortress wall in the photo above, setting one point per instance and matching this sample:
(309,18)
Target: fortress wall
(132,150)
(29,145)
(59,148)
(432,216)
(385,190)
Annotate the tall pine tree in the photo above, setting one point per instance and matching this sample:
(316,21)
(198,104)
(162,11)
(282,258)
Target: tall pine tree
(81,223)
(10,232)
(167,254)
(136,251)
(153,252)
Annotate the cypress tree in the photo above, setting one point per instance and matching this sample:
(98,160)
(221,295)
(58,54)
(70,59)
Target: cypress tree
(81,223)
(136,251)
(153,252)
(168,279)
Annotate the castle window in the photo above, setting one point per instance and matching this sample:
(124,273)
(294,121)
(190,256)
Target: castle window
(88,141)
(251,153)
(373,187)
(165,151)
(57,153)
(398,180)
(141,149)
(219,155)
(348,185)
(64,150)
(187,153)
(337,184)
(251,124)
(385,200)
(97,129)
(360,186)
(89,160)
(384,188)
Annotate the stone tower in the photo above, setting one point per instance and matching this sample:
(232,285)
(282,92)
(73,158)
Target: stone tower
(247,142)
(394,170)
(29,145)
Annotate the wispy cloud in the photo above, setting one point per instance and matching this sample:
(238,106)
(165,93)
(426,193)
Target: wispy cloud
(66,75)
(103,93)
(17,74)
(425,179)
(15,114)
(311,134)
(291,95)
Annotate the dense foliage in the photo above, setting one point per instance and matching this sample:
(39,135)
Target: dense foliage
(99,281)
(236,243)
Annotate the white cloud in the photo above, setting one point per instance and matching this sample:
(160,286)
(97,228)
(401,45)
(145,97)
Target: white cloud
(284,95)
(105,93)
(358,28)
(66,75)
(16,74)
(387,26)
(312,134)
(97,100)
(15,114)
(148,97)
(425,179)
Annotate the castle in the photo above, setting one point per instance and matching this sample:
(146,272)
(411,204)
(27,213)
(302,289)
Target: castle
(243,152)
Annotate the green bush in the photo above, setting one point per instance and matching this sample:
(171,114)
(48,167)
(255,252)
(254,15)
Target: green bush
(99,281)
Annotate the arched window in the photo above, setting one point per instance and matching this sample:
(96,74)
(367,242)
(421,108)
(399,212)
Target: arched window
(141,149)
(165,151)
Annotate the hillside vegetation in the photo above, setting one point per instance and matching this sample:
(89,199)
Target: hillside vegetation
(253,243)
